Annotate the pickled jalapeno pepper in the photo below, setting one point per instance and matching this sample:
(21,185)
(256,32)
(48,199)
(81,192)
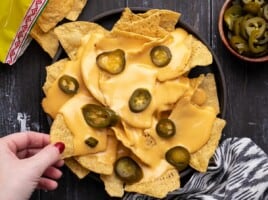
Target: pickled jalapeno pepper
(255,23)
(248,27)
(260,2)
(91,142)
(160,56)
(252,8)
(112,62)
(139,100)
(243,31)
(165,128)
(239,44)
(178,156)
(98,116)
(128,170)
(265,12)
(231,14)
(253,46)
(68,84)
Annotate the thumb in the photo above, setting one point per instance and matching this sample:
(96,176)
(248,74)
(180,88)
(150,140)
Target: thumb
(47,156)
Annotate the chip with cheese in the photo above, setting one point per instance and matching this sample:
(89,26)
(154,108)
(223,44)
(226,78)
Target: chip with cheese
(70,35)
(107,102)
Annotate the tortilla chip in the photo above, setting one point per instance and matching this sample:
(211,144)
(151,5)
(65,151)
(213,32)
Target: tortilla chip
(165,19)
(60,132)
(157,187)
(209,85)
(128,16)
(76,168)
(76,10)
(168,18)
(148,26)
(201,56)
(113,185)
(53,72)
(101,162)
(70,35)
(48,41)
(53,13)
(200,159)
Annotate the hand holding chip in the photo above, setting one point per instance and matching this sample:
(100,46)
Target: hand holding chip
(28,161)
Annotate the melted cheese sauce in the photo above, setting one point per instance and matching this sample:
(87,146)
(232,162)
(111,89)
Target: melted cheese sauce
(72,112)
(55,98)
(118,89)
(193,122)
(179,43)
(193,129)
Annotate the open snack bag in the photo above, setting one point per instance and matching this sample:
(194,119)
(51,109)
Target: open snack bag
(22,20)
(16,20)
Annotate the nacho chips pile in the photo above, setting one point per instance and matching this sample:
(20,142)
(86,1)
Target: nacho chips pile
(190,103)
(54,12)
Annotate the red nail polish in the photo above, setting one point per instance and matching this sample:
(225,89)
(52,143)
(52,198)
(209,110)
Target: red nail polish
(60,146)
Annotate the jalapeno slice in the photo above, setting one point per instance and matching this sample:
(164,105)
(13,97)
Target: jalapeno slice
(165,128)
(179,157)
(252,7)
(265,11)
(91,142)
(253,46)
(114,117)
(239,44)
(128,170)
(139,100)
(68,84)
(260,2)
(243,31)
(263,39)
(97,116)
(231,14)
(112,62)
(237,25)
(160,56)
(255,23)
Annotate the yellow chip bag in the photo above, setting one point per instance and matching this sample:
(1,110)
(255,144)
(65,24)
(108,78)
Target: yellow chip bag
(15,25)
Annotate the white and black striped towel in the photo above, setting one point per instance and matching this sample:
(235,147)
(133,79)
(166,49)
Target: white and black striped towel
(237,171)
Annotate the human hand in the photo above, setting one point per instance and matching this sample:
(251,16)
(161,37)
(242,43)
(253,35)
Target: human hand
(28,161)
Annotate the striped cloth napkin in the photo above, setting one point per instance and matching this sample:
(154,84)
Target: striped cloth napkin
(237,171)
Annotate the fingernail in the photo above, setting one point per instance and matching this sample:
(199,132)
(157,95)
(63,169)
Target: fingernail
(60,146)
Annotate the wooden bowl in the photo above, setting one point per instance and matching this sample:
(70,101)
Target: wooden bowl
(223,34)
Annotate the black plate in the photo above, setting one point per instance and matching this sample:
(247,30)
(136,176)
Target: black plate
(108,19)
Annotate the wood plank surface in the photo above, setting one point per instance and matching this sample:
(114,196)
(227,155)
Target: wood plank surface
(247,88)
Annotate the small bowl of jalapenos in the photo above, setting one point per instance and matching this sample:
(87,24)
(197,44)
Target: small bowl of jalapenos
(243,28)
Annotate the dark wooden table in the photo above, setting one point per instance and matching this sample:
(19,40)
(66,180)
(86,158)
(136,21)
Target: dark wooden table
(247,88)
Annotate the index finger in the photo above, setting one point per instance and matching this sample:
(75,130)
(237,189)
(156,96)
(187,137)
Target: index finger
(24,140)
